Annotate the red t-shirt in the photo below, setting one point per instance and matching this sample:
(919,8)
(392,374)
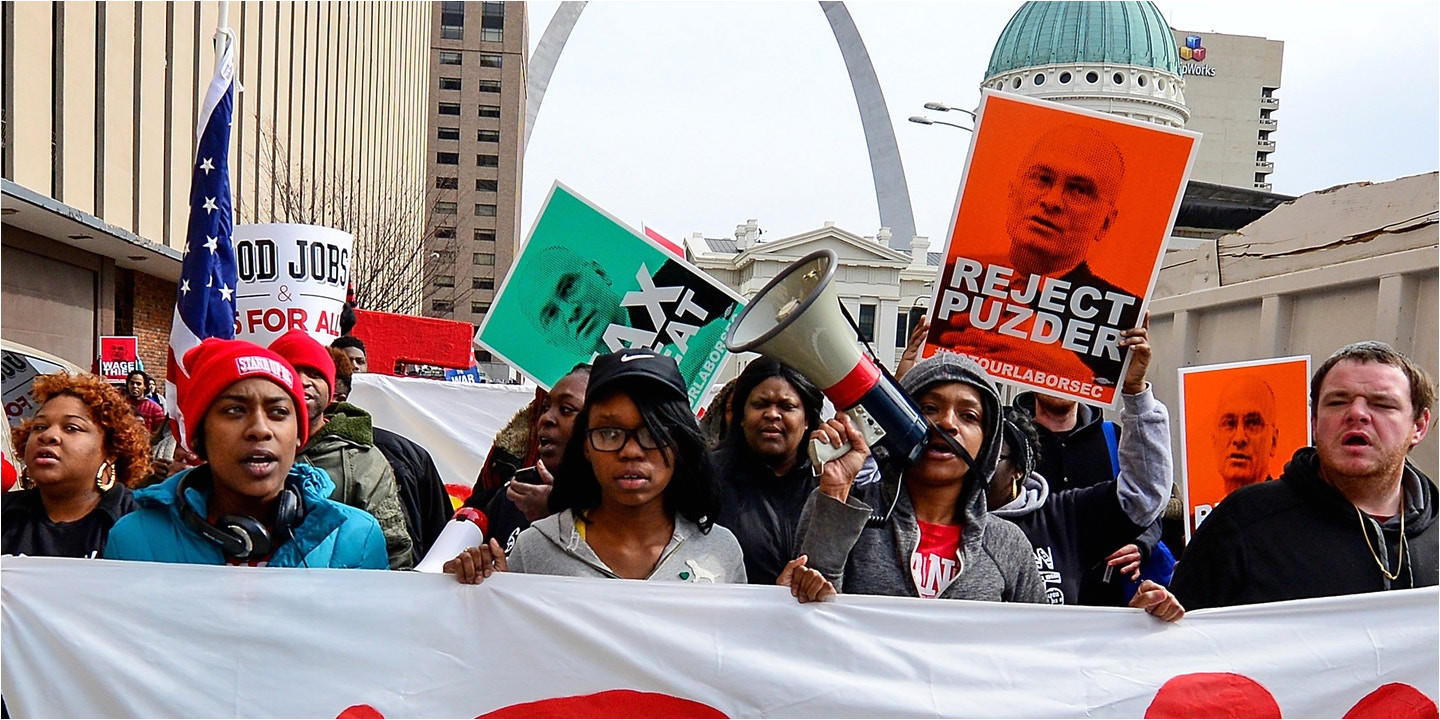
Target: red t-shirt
(937,561)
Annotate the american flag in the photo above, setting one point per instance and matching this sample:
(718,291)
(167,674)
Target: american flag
(205,301)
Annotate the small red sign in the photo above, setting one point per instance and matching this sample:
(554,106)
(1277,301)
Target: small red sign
(119,356)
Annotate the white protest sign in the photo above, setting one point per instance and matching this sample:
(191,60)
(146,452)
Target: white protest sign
(19,375)
(291,277)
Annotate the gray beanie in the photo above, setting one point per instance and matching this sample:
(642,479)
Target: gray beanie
(945,367)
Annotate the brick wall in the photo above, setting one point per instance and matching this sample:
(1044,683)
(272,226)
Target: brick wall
(154,306)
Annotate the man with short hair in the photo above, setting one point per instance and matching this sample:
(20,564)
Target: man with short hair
(1245,435)
(343,445)
(354,348)
(151,413)
(1349,514)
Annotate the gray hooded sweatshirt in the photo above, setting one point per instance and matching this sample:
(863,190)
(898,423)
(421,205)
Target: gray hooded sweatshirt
(552,547)
(996,562)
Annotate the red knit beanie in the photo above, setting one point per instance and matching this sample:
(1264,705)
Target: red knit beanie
(216,364)
(301,350)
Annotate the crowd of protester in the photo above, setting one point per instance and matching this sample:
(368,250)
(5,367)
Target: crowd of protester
(610,474)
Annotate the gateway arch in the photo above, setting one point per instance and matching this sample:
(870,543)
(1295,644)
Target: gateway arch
(892,194)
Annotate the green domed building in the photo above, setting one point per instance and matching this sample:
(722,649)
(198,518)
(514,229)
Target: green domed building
(1114,57)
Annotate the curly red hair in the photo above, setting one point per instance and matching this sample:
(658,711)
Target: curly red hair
(126,439)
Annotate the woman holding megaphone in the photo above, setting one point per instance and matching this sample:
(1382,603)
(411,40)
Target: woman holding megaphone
(923,531)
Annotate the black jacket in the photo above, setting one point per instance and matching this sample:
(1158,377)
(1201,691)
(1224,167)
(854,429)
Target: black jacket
(422,492)
(1071,531)
(761,509)
(1079,458)
(1298,537)
(27,529)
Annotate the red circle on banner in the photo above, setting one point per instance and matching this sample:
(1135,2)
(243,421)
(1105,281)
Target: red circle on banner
(609,704)
(1394,700)
(1212,695)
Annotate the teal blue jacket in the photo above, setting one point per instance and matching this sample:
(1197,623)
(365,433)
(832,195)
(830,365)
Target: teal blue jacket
(332,535)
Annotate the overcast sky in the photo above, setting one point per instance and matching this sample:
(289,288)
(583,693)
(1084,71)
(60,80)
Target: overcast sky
(693,117)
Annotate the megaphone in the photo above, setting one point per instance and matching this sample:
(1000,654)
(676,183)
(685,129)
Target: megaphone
(796,319)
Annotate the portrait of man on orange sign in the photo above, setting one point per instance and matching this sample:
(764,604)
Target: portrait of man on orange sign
(1021,290)
(1240,423)
(1244,433)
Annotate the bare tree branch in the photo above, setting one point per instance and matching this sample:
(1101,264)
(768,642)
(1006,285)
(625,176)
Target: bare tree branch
(397,261)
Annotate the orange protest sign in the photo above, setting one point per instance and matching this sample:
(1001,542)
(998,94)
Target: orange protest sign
(1056,241)
(1239,425)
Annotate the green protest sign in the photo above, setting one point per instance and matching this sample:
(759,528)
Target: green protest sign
(586,284)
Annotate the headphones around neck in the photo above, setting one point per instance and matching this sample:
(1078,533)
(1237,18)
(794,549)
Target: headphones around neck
(241,536)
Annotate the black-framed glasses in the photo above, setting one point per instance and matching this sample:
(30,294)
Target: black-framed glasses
(611,439)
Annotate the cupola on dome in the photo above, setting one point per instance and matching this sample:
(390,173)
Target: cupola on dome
(1116,33)
(1115,57)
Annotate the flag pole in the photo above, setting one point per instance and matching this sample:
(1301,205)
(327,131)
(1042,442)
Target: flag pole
(220,29)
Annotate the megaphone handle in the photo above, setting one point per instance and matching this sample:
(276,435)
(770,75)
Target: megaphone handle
(822,452)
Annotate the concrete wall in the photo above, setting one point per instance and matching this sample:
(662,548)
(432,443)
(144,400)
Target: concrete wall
(1331,268)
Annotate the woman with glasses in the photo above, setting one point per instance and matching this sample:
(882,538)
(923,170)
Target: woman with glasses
(633,498)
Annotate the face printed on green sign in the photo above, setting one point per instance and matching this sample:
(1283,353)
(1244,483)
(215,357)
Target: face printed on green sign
(585,285)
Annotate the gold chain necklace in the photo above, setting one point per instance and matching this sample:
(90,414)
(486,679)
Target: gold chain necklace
(1366,532)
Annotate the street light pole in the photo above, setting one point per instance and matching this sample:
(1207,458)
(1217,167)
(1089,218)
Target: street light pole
(921,120)
(942,107)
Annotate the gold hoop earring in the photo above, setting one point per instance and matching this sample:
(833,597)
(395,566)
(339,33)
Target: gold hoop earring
(105,477)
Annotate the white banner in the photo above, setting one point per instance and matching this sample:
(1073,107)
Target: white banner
(291,277)
(456,422)
(97,638)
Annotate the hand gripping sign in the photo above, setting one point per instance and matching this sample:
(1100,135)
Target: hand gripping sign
(291,277)
(1055,242)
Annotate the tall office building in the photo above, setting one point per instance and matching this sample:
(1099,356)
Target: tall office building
(476,150)
(1230,84)
(1123,58)
(100,106)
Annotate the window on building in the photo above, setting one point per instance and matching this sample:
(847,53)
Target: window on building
(442,306)
(492,60)
(447,183)
(487,136)
(449,108)
(866,321)
(484,235)
(487,160)
(447,133)
(445,158)
(902,331)
(484,258)
(492,21)
(448,83)
(489,86)
(491,111)
(479,308)
(484,210)
(482,283)
(444,281)
(487,185)
(444,257)
(452,20)
(446,233)
(450,58)
(445,208)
